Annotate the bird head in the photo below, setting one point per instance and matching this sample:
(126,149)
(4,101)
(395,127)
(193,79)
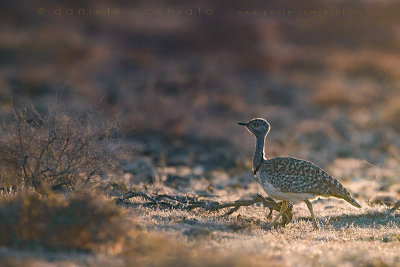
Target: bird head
(258,127)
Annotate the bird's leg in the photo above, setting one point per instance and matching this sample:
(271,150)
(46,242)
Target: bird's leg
(270,214)
(283,209)
(309,205)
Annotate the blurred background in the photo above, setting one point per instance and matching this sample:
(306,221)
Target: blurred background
(174,78)
(181,74)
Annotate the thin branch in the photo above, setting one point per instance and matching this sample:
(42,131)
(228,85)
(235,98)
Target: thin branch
(190,203)
(22,149)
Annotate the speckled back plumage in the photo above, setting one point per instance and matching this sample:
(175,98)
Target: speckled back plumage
(300,176)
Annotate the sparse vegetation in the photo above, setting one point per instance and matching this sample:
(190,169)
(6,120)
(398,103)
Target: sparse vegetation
(327,83)
(59,148)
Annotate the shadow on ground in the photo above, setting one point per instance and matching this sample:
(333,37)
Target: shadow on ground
(366,220)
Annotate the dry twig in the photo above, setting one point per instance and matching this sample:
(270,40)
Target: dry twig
(190,203)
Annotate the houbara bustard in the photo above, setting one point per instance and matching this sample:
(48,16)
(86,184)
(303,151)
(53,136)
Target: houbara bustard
(289,179)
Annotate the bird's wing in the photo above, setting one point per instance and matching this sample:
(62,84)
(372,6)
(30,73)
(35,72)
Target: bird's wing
(300,176)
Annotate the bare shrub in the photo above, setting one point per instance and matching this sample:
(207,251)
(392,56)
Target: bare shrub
(57,147)
(78,222)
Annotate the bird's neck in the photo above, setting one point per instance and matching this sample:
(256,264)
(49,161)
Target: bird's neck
(259,153)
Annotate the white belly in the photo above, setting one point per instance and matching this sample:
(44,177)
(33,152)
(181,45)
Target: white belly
(276,193)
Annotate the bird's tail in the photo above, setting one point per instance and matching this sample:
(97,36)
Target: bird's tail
(352,201)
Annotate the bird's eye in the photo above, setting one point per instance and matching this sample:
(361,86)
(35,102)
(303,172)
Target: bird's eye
(255,124)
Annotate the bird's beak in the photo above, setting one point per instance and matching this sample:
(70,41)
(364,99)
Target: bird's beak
(243,123)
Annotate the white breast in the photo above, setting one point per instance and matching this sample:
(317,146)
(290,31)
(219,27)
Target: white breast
(276,193)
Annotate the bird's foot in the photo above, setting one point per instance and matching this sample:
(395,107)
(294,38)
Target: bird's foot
(315,226)
(276,227)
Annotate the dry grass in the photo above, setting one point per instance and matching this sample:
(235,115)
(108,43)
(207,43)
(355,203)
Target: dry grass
(56,230)
(369,237)
(328,85)
(48,228)
(77,222)
(347,236)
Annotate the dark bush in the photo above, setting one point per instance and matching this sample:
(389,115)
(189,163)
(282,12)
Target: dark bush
(78,222)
